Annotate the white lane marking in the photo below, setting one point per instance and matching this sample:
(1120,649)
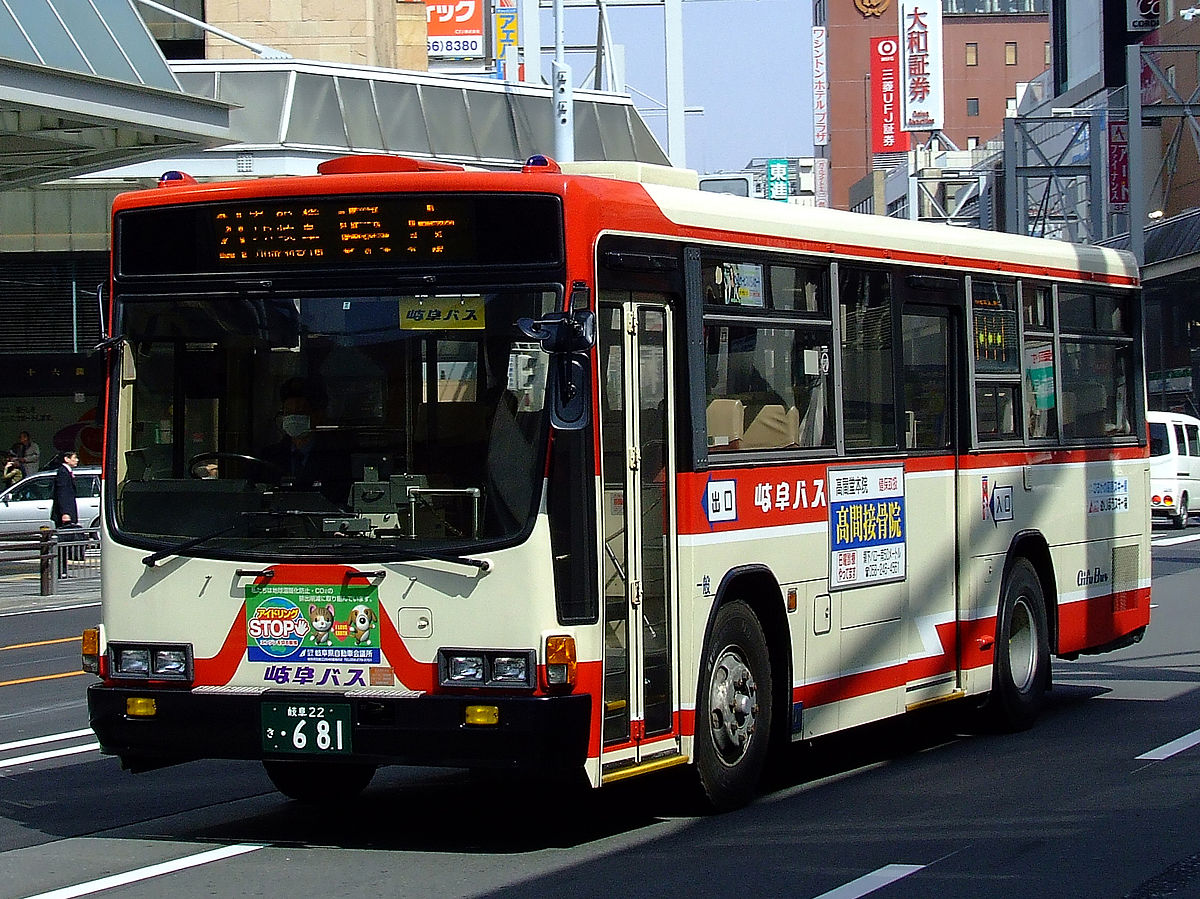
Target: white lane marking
(138,874)
(1172,541)
(82,605)
(869,883)
(50,754)
(1187,741)
(53,738)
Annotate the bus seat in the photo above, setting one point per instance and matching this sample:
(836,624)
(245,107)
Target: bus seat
(810,428)
(1007,421)
(1085,411)
(770,428)
(135,464)
(726,420)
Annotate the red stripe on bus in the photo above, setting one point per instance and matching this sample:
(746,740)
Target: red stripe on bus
(1100,620)
(1082,625)
(218,670)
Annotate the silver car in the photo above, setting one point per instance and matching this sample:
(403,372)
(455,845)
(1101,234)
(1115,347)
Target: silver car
(25,506)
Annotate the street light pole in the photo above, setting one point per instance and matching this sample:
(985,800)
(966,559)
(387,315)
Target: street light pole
(1137,186)
(563,93)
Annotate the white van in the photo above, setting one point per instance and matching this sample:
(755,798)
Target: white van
(1174,465)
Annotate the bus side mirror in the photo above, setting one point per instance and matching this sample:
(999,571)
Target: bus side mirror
(568,337)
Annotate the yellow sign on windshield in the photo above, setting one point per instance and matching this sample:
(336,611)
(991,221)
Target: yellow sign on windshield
(450,313)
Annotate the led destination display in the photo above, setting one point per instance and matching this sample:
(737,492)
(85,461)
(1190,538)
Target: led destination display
(330,231)
(272,235)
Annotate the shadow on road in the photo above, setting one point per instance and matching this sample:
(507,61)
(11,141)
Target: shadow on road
(442,810)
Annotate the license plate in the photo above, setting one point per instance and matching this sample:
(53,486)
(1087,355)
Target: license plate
(310,729)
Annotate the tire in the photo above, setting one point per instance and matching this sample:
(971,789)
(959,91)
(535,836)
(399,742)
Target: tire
(733,709)
(1021,668)
(319,783)
(1180,521)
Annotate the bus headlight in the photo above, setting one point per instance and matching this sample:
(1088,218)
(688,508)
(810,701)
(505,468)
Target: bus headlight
(170,662)
(487,668)
(131,662)
(143,661)
(510,669)
(464,669)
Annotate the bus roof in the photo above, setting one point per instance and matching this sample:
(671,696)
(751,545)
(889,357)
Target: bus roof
(719,216)
(857,235)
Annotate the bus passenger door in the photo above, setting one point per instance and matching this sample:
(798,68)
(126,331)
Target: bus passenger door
(930,439)
(640,680)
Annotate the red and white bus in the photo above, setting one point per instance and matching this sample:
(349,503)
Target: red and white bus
(567,472)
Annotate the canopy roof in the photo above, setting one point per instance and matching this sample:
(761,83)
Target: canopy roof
(84,87)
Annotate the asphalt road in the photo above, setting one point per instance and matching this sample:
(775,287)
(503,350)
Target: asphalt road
(1098,800)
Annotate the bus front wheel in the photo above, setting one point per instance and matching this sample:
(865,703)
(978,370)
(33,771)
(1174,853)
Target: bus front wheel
(319,783)
(1021,668)
(733,709)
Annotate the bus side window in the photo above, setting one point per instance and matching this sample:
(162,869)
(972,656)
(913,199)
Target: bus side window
(1097,364)
(868,372)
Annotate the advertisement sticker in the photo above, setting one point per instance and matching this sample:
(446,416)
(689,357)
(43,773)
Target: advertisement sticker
(867,534)
(312,623)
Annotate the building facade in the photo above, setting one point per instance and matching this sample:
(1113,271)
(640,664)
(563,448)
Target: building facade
(1091,47)
(990,47)
(296,82)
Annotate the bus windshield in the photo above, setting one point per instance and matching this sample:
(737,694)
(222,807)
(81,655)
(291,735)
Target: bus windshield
(329,425)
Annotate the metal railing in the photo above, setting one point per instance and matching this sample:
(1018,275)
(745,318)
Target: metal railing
(65,553)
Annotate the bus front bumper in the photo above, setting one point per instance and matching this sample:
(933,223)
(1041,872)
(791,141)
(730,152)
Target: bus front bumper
(542,733)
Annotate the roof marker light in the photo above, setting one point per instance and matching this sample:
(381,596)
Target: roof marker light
(174,178)
(541,163)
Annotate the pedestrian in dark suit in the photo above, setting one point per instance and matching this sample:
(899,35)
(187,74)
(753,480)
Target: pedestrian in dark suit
(63,509)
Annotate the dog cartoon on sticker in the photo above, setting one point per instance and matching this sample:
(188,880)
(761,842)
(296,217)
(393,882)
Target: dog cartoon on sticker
(322,623)
(362,620)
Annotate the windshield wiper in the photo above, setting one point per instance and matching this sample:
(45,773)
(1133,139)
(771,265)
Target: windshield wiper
(482,565)
(155,557)
(375,551)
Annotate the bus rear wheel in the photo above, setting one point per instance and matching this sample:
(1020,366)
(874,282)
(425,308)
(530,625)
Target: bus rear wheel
(1021,668)
(733,708)
(1180,521)
(319,783)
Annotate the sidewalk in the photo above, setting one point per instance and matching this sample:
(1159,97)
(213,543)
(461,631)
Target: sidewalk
(20,588)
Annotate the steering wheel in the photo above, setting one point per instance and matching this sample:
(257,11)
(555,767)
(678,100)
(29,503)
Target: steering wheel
(200,462)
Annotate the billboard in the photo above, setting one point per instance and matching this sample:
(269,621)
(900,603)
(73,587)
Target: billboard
(922,97)
(820,79)
(821,185)
(779,182)
(886,136)
(1118,166)
(1143,15)
(455,29)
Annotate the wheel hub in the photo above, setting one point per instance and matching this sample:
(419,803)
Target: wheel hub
(733,701)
